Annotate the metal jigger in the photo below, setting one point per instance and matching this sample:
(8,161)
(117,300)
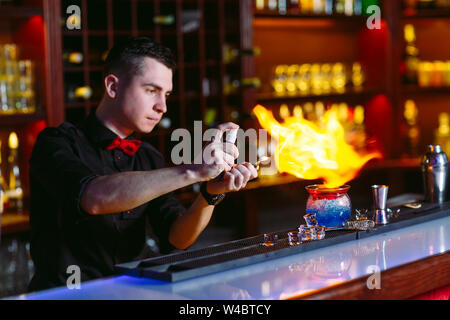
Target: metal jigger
(380,193)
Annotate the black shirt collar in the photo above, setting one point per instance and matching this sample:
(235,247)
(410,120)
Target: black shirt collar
(97,132)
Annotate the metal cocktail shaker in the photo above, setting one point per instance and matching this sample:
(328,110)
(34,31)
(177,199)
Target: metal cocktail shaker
(434,171)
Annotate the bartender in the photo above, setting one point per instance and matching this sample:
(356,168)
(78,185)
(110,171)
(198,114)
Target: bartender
(95,187)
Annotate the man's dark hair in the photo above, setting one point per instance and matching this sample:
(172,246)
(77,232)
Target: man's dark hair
(127,57)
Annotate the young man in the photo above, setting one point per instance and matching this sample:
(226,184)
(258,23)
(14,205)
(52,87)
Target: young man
(93,186)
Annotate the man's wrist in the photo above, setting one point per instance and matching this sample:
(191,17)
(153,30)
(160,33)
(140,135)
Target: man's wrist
(192,174)
(211,199)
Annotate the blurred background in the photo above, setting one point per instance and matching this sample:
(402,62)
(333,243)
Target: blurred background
(388,79)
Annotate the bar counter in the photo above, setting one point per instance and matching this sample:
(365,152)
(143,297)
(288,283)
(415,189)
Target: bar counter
(412,261)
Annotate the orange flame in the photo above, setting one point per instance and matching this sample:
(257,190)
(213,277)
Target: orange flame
(310,152)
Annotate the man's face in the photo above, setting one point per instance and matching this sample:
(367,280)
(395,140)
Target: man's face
(143,97)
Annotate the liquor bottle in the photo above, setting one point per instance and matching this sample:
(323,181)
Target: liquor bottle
(357,7)
(260,5)
(339,6)
(348,7)
(412,129)
(164,20)
(411,55)
(442,134)
(282,7)
(25,101)
(78,93)
(357,76)
(306,6)
(3,186)
(297,112)
(15,192)
(318,6)
(6,98)
(359,138)
(284,111)
(328,8)
(292,79)
(272,5)
(73,57)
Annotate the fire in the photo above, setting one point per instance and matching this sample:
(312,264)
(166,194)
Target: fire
(309,151)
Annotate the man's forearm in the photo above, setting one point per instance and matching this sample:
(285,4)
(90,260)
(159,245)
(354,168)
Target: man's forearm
(125,191)
(187,227)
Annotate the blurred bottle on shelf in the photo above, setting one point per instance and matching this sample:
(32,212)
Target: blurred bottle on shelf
(308,111)
(16,82)
(297,112)
(327,77)
(442,134)
(272,4)
(279,80)
(339,78)
(357,138)
(316,7)
(260,4)
(447,73)
(6,98)
(292,79)
(411,55)
(231,53)
(3,188)
(306,6)
(319,109)
(78,93)
(412,129)
(339,6)
(164,20)
(357,76)
(73,58)
(304,79)
(282,7)
(14,192)
(25,100)
(316,79)
(284,111)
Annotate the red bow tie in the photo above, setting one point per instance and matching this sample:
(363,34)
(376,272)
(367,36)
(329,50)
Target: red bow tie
(128,146)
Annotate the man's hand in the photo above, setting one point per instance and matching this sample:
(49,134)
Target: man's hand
(217,156)
(233,180)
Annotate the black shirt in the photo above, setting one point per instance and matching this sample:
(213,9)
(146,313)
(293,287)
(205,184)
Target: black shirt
(63,161)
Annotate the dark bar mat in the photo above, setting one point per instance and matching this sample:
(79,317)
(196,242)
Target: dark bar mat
(193,263)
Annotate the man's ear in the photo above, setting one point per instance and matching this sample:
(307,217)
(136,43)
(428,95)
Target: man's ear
(111,85)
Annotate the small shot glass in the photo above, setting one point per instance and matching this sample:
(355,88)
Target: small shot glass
(310,219)
(320,232)
(308,232)
(270,239)
(295,238)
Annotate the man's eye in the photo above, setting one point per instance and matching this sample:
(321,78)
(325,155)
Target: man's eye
(151,91)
